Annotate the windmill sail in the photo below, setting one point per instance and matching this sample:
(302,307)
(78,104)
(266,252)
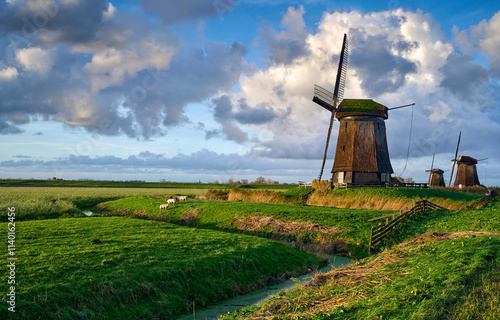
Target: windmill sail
(455,160)
(324,98)
(330,101)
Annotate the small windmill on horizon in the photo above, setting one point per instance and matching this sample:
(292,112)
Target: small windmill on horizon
(361,155)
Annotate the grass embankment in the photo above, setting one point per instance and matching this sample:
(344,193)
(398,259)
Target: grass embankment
(391,198)
(121,268)
(354,198)
(349,230)
(44,203)
(450,270)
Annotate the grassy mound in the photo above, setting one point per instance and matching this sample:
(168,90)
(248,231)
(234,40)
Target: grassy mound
(120,268)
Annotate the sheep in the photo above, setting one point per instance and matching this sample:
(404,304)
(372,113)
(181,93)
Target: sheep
(164,206)
(183,198)
(173,200)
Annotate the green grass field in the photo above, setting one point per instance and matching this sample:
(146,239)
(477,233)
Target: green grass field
(122,268)
(47,202)
(353,235)
(114,265)
(136,184)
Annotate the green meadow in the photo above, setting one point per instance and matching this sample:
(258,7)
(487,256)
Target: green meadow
(121,268)
(131,260)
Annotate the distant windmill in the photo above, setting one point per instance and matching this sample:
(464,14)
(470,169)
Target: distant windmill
(361,156)
(466,171)
(436,178)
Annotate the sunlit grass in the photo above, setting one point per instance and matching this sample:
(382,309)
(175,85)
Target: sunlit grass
(122,268)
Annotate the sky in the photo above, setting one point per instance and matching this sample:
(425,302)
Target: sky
(206,90)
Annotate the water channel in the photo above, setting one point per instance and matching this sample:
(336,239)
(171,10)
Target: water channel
(253,298)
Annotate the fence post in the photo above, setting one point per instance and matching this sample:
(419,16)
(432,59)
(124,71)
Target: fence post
(370,244)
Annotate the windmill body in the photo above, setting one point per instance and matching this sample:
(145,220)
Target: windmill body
(361,156)
(436,178)
(466,172)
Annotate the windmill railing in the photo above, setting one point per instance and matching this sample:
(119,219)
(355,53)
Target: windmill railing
(381,231)
(305,184)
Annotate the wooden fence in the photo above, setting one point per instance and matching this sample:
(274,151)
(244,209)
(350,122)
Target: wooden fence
(484,200)
(304,184)
(381,231)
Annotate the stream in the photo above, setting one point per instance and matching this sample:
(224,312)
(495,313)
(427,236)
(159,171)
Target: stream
(253,298)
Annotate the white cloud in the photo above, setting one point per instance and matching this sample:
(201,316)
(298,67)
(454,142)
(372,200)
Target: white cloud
(111,66)
(8,73)
(440,111)
(396,57)
(35,59)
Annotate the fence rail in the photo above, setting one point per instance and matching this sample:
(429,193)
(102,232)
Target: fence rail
(378,233)
(484,200)
(305,184)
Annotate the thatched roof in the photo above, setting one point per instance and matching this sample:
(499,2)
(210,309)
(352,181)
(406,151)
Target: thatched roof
(361,107)
(466,160)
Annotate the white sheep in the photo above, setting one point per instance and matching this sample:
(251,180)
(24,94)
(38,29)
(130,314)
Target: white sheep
(183,198)
(164,206)
(173,200)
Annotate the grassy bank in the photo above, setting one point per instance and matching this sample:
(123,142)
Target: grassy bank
(391,198)
(354,198)
(455,278)
(121,268)
(349,231)
(44,203)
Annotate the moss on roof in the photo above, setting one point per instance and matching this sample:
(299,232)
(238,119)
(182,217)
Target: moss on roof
(360,105)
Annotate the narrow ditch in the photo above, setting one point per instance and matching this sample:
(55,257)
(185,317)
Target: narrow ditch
(253,298)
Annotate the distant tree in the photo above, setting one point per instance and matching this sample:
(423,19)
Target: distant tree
(230,181)
(260,180)
(409,180)
(216,182)
(163,180)
(244,181)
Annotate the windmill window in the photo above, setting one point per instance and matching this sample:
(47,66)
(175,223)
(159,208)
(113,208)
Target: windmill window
(346,126)
(343,148)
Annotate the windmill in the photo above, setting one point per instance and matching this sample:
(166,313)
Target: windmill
(361,155)
(436,178)
(466,171)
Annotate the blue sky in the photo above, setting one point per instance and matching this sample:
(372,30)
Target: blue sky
(211,90)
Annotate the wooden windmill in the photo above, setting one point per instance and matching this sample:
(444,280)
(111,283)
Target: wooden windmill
(436,178)
(361,156)
(466,171)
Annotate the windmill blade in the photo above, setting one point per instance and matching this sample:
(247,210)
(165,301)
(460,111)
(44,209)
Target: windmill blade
(324,98)
(432,167)
(341,71)
(338,94)
(482,159)
(455,160)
